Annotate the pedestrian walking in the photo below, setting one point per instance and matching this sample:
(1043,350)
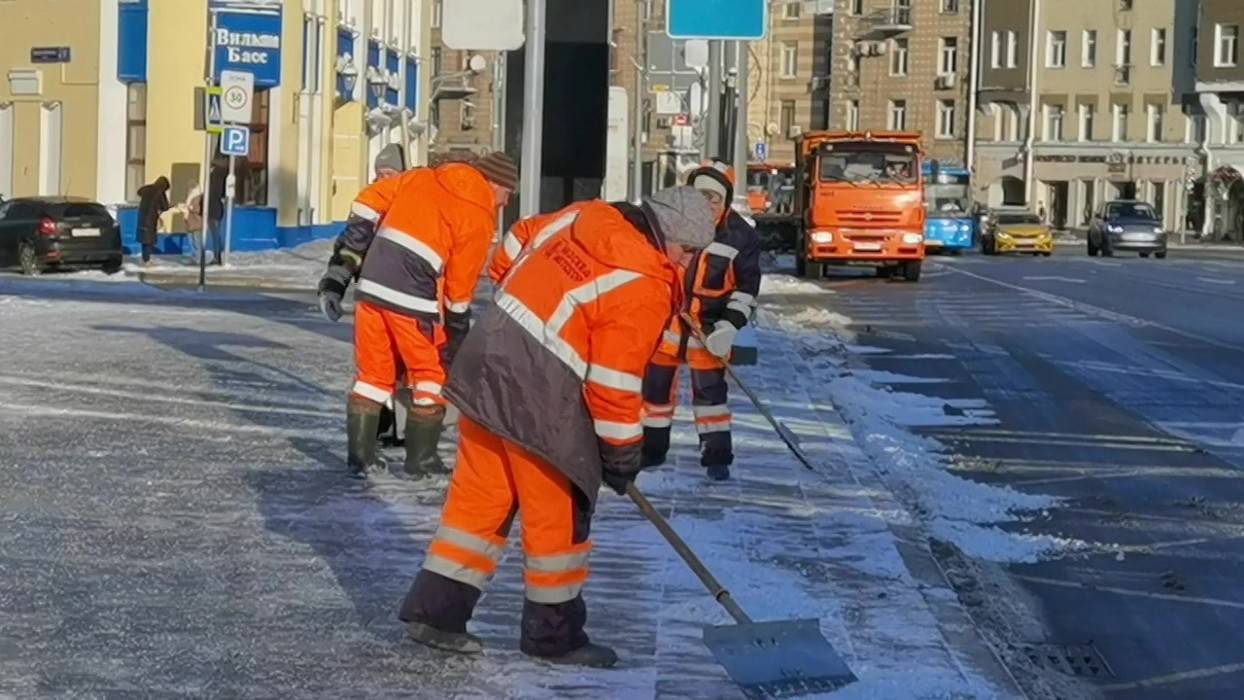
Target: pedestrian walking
(152,202)
(432,229)
(722,284)
(548,385)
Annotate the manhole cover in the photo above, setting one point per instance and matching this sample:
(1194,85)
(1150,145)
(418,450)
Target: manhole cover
(1082,660)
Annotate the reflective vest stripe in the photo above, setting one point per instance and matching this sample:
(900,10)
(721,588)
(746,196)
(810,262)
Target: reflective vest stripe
(462,556)
(372,392)
(557,225)
(557,578)
(392,296)
(364,212)
(414,245)
(618,431)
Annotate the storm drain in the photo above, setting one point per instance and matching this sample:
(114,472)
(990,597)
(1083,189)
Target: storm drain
(1083,660)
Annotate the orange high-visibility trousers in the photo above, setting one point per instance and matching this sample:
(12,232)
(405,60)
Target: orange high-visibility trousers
(493,479)
(386,342)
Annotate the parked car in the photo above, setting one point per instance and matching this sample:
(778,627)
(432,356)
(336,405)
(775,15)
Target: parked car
(37,233)
(1126,225)
(1016,231)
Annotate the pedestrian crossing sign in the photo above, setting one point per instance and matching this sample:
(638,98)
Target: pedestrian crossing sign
(215,124)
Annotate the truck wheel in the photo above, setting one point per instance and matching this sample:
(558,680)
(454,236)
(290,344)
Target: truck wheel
(911,270)
(815,270)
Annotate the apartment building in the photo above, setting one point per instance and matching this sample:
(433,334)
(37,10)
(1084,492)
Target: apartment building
(904,65)
(790,77)
(1084,102)
(463,105)
(1219,84)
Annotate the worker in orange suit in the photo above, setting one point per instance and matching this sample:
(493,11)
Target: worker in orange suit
(418,242)
(722,285)
(548,384)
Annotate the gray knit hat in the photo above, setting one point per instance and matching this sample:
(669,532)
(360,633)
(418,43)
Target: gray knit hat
(684,216)
(391,157)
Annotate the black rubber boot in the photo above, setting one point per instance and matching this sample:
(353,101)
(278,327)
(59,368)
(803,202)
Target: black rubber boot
(453,642)
(656,446)
(591,654)
(423,432)
(362,423)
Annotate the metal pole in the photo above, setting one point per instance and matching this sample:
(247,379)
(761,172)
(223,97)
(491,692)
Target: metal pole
(712,133)
(637,101)
(740,126)
(206,198)
(231,184)
(498,116)
(533,112)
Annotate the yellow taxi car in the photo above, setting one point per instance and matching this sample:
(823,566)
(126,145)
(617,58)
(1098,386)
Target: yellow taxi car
(1017,232)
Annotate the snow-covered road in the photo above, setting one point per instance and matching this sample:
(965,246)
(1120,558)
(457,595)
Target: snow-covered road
(177,521)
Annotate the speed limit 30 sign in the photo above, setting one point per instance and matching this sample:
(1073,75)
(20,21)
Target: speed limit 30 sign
(237,95)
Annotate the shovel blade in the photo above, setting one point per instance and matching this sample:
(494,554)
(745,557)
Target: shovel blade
(780,659)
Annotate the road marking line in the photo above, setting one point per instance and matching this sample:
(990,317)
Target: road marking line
(1173,678)
(1098,311)
(1214,280)
(1215,602)
(1054,278)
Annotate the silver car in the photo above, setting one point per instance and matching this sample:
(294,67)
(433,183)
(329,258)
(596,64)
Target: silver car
(1126,225)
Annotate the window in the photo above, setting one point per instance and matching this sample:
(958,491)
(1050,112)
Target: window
(1125,4)
(853,115)
(1226,45)
(1159,198)
(1123,49)
(946,119)
(1156,118)
(252,170)
(790,59)
(1088,115)
(1157,48)
(1088,188)
(1012,49)
(312,54)
(1195,128)
(1054,122)
(898,57)
(948,56)
(1119,132)
(950,6)
(135,139)
(1088,48)
(995,50)
(790,10)
(787,117)
(1056,49)
(438,10)
(857,7)
(1196,46)
(897,118)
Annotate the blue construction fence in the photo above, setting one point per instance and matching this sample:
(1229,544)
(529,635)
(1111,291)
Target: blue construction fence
(254,229)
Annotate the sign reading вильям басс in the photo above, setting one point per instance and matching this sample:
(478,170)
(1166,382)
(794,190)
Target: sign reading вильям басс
(247,37)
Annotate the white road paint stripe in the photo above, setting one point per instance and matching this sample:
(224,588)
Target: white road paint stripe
(1214,280)
(1053,278)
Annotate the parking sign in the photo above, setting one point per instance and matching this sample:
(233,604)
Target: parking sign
(235,141)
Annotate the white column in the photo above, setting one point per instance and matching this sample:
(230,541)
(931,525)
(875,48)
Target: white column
(6,149)
(110,151)
(51,147)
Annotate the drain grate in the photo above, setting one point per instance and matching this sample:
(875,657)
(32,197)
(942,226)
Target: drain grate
(1083,660)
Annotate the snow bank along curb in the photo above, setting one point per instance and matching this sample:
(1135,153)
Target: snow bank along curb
(957,510)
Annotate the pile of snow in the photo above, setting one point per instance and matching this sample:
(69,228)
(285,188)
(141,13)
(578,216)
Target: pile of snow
(300,266)
(963,512)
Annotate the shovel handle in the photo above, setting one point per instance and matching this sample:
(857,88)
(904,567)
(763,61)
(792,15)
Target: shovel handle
(720,594)
(782,431)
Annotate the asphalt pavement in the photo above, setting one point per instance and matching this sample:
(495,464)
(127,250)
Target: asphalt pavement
(1118,386)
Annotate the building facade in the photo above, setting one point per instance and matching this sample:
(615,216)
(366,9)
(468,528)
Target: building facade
(790,77)
(1086,102)
(1219,85)
(100,99)
(904,65)
(464,113)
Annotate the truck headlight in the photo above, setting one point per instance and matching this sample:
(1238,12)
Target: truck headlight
(1158,229)
(822,237)
(1115,229)
(912,238)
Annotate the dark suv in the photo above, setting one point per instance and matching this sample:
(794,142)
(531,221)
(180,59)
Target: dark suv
(41,232)
(1126,225)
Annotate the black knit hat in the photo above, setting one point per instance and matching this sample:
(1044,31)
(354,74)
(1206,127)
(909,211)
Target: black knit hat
(499,169)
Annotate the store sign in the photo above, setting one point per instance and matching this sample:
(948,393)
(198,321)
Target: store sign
(248,39)
(1114,158)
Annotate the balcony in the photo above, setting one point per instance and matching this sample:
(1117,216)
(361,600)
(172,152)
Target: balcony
(893,21)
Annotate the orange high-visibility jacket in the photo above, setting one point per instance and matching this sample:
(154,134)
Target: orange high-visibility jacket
(556,363)
(518,237)
(421,239)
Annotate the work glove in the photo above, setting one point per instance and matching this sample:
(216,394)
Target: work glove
(456,327)
(618,481)
(720,341)
(332,288)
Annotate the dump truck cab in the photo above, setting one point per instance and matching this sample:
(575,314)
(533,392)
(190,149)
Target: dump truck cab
(860,196)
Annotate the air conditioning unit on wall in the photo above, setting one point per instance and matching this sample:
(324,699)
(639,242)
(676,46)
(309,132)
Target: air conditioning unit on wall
(946,81)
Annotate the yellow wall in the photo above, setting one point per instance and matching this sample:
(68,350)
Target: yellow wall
(49,23)
(175,66)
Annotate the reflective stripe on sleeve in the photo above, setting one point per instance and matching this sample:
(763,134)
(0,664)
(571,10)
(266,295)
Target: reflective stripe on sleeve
(364,212)
(414,245)
(721,249)
(403,300)
(615,379)
(511,245)
(458,307)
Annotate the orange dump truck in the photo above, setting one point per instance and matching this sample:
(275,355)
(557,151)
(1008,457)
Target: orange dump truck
(767,183)
(860,198)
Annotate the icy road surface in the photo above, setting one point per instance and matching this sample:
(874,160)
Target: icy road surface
(176,521)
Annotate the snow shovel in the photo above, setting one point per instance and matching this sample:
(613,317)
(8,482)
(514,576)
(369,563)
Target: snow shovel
(779,659)
(788,437)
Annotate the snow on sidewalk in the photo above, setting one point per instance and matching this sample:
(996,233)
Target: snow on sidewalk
(299,267)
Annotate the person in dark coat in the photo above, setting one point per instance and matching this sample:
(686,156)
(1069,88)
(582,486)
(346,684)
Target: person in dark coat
(152,202)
